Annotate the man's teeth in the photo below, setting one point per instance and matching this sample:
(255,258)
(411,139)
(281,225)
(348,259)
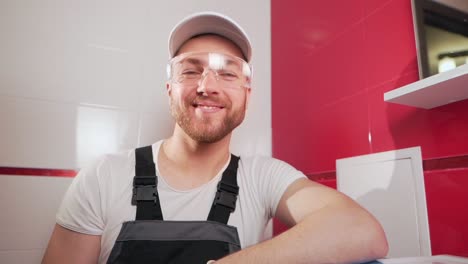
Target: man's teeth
(208,107)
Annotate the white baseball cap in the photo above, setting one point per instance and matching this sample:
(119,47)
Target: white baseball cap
(209,23)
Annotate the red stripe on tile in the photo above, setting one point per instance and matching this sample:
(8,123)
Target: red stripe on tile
(37,172)
(428,165)
(446,163)
(455,162)
(321,176)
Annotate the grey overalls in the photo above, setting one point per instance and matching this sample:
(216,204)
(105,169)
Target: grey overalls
(150,239)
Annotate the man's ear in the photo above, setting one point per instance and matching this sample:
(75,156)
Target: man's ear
(168,88)
(169,92)
(247,97)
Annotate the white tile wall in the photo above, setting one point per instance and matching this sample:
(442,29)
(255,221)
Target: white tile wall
(103,130)
(28,205)
(37,133)
(21,256)
(61,50)
(47,134)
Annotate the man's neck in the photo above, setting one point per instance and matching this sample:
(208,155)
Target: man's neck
(185,163)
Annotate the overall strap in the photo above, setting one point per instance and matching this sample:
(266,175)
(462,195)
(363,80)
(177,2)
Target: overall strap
(226,196)
(145,191)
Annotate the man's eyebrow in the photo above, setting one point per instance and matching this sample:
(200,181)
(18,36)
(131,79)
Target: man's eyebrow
(192,61)
(230,62)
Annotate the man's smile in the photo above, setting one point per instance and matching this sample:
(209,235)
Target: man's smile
(208,107)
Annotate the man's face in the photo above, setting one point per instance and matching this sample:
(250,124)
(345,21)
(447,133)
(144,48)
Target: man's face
(209,112)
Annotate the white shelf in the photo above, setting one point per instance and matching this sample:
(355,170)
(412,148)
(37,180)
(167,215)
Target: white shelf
(437,90)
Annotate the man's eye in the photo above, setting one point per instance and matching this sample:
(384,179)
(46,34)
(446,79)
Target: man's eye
(228,75)
(191,73)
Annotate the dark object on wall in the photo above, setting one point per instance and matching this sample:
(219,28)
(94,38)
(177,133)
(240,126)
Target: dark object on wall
(441,31)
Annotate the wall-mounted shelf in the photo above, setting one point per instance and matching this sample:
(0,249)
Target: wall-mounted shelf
(437,90)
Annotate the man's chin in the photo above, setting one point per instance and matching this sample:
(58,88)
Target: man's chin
(207,137)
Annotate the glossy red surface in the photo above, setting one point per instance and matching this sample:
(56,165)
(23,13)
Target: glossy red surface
(441,132)
(447,199)
(389,43)
(332,61)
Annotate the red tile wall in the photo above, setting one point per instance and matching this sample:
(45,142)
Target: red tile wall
(332,61)
(447,210)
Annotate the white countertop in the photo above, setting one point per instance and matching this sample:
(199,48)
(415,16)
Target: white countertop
(439,259)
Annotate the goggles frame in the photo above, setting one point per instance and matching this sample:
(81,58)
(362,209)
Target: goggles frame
(218,63)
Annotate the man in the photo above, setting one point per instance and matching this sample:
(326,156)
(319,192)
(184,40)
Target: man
(152,205)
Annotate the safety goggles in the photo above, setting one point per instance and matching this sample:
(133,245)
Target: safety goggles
(189,69)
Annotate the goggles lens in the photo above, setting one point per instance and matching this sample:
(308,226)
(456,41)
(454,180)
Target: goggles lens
(189,69)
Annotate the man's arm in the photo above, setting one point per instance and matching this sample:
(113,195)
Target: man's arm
(327,227)
(66,246)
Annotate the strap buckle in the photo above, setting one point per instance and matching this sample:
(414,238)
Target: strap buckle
(226,195)
(227,187)
(144,192)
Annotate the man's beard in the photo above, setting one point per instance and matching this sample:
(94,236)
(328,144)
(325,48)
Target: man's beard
(206,129)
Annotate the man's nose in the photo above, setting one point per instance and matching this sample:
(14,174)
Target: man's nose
(208,82)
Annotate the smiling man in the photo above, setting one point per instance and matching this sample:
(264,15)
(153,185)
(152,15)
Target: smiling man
(208,105)
(187,199)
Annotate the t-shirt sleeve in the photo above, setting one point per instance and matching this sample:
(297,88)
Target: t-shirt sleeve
(273,178)
(81,209)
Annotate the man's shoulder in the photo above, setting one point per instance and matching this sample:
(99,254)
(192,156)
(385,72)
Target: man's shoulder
(109,163)
(124,159)
(260,160)
(125,156)
(119,158)
(265,165)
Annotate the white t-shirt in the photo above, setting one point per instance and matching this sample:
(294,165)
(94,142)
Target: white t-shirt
(99,199)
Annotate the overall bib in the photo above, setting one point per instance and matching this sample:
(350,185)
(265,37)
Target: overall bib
(150,239)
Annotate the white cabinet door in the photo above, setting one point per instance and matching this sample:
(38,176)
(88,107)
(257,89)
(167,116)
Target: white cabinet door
(391,186)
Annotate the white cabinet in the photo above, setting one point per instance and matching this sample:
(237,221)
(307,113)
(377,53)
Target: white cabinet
(390,185)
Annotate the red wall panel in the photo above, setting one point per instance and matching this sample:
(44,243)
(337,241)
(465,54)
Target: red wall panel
(332,61)
(447,210)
